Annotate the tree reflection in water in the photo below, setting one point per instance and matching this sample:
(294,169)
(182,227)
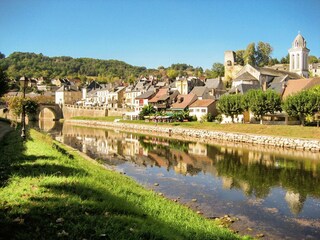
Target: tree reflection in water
(253,171)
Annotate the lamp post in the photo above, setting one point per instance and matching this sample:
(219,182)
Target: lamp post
(23,84)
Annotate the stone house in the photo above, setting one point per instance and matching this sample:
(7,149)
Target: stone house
(314,69)
(215,86)
(263,76)
(67,95)
(116,98)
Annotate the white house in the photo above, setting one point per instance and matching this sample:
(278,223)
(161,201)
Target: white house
(202,107)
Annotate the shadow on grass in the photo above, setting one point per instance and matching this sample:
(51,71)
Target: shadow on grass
(76,208)
(80,212)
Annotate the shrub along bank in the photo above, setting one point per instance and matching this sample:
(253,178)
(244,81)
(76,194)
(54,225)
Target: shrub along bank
(50,192)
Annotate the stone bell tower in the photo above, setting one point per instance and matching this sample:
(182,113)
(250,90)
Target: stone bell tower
(299,56)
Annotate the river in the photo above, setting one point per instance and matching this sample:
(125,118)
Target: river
(272,191)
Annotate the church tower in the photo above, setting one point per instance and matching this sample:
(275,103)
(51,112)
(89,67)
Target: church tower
(299,56)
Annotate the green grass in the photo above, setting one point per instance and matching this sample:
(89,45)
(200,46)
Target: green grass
(108,119)
(48,191)
(294,131)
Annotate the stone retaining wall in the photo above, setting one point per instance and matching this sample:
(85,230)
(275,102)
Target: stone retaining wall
(206,135)
(70,111)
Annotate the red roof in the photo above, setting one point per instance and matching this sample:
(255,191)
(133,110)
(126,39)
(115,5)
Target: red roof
(162,92)
(295,86)
(184,100)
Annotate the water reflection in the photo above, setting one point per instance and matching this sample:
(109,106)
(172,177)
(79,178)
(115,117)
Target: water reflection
(253,172)
(276,191)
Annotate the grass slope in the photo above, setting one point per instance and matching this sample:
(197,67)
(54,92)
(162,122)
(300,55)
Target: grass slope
(47,192)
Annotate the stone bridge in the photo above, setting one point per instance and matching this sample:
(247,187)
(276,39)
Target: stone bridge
(50,111)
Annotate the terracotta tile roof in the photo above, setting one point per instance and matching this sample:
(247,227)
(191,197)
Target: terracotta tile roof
(184,100)
(295,86)
(202,103)
(162,92)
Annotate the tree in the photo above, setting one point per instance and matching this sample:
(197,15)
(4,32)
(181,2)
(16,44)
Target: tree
(2,55)
(15,105)
(312,59)
(240,57)
(146,111)
(218,69)
(302,104)
(285,60)
(230,105)
(4,83)
(249,54)
(172,74)
(261,103)
(273,61)
(263,53)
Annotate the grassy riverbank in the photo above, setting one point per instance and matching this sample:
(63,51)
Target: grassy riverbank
(293,131)
(50,192)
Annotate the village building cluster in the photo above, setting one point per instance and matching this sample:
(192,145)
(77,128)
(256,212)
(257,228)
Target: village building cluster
(198,95)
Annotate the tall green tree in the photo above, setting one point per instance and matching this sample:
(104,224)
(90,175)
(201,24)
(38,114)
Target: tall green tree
(4,83)
(285,60)
(302,104)
(172,74)
(218,69)
(230,105)
(250,54)
(260,103)
(263,54)
(312,59)
(240,57)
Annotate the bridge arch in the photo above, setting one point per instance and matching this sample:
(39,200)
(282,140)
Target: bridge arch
(49,111)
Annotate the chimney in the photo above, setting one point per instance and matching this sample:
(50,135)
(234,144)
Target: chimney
(264,86)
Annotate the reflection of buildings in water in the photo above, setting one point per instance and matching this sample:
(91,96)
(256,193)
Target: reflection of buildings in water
(199,157)
(133,147)
(197,149)
(295,201)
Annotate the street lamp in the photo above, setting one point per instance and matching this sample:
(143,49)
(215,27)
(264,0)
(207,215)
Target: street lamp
(23,84)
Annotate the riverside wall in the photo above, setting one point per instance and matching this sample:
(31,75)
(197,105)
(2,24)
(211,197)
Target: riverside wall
(207,135)
(70,111)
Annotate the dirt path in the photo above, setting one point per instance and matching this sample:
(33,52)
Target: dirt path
(4,129)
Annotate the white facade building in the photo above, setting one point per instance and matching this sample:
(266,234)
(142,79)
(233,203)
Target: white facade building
(299,56)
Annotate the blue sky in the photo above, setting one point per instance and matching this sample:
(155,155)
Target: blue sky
(152,33)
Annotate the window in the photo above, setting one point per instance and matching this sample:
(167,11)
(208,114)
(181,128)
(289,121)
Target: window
(203,110)
(191,110)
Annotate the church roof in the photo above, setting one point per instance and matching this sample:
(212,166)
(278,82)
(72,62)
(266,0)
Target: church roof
(245,76)
(243,88)
(299,41)
(273,72)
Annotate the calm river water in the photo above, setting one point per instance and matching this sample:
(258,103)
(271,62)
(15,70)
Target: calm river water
(272,191)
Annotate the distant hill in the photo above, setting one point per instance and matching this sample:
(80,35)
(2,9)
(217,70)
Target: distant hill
(37,65)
